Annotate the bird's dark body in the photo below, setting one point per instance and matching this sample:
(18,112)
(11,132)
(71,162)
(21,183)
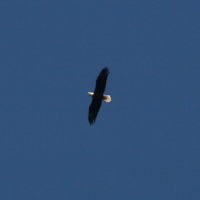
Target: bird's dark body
(98,95)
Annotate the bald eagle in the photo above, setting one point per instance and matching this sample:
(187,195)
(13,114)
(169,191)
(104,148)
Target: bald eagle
(98,95)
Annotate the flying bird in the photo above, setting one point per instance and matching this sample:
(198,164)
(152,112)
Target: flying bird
(98,95)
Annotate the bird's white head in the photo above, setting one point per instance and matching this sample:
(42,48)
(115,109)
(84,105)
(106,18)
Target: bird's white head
(91,93)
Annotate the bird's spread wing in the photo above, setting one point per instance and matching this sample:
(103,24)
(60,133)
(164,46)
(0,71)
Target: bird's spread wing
(93,110)
(101,81)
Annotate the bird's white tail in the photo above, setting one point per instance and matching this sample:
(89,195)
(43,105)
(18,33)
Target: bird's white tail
(107,98)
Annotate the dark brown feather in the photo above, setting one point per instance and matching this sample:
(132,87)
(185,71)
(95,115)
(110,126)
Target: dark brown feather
(101,81)
(94,109)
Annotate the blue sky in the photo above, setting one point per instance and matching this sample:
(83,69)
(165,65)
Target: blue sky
(144,145)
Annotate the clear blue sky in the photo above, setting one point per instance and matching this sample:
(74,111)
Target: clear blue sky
(144,145)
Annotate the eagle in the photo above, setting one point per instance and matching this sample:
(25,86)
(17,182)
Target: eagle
(98,95)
